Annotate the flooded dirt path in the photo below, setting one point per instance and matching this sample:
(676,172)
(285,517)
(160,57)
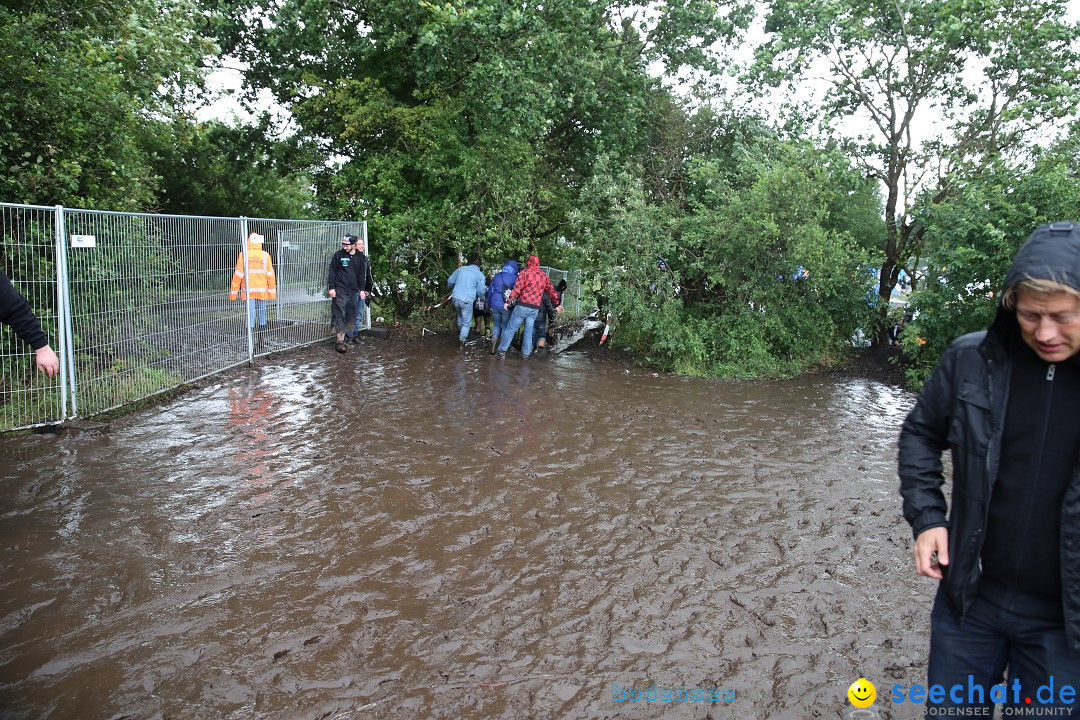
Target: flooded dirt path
(401,532)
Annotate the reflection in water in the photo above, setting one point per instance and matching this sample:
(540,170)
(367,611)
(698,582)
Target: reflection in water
(251,414)
(408,532)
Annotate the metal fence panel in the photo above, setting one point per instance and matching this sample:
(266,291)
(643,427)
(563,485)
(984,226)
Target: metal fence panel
(28,240)
(148,310)
(302,253)
(573,299)
(144,302)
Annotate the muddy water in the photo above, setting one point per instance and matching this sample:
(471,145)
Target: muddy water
(402,533)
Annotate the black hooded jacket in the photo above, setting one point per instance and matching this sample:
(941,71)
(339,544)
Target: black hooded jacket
(962,408)
(16,312)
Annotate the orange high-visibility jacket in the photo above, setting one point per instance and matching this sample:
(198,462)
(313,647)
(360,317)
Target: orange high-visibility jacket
(260,282)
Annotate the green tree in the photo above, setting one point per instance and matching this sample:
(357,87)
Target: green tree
(78,82)
(753,272)
(464,126)
(227,170)
(977,231)
(944,88)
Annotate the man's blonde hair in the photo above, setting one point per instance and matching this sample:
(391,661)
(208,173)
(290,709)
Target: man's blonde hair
(1039,287)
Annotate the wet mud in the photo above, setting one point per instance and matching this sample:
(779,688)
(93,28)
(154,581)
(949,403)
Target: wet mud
(407,532)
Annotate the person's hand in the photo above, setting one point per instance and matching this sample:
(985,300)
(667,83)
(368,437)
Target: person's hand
(363,295)
(47,362)
(558,308)
(932,552)
(332,293)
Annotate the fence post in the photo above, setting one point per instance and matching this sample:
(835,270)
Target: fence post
(63,321)
(248,324)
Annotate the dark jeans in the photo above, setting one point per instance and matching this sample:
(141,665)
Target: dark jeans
(540,327)
(990,639)
(343,314)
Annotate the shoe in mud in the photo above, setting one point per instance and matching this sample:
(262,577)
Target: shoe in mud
(340,347)
(500,356)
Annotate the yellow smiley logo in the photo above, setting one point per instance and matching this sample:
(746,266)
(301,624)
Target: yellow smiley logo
(862,693)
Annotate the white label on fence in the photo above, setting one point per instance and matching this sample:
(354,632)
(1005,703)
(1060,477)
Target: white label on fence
(83,241)
(284,244)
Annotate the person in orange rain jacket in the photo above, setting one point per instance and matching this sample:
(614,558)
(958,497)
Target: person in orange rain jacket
(260,283)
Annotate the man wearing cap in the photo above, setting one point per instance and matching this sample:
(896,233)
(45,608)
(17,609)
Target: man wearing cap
(1006,550)
(530,286)
(348,273)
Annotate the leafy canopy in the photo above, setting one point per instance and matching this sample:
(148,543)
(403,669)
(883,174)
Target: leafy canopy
(79,81)
(924,94)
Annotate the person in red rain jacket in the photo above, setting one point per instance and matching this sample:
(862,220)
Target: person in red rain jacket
(530,287)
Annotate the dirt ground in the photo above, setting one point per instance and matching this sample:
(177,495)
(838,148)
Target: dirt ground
(410,531)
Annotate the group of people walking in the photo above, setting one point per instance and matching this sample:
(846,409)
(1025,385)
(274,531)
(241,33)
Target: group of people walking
(516,299)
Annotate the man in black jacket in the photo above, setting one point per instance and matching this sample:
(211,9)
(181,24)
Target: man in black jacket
(1005,403)
(346,278)
(16,312)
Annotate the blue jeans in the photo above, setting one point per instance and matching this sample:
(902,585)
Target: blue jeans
(360,305)
(520,315)
(990,639)
(464,318)
(256,307)
(500,317)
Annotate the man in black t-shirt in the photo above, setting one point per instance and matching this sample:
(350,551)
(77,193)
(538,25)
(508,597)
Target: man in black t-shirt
(347,278)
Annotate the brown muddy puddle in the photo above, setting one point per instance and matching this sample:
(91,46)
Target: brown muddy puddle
(403,533)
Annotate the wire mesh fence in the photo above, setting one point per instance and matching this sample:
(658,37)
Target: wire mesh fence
(573,297)
(144,303)
(28,242)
